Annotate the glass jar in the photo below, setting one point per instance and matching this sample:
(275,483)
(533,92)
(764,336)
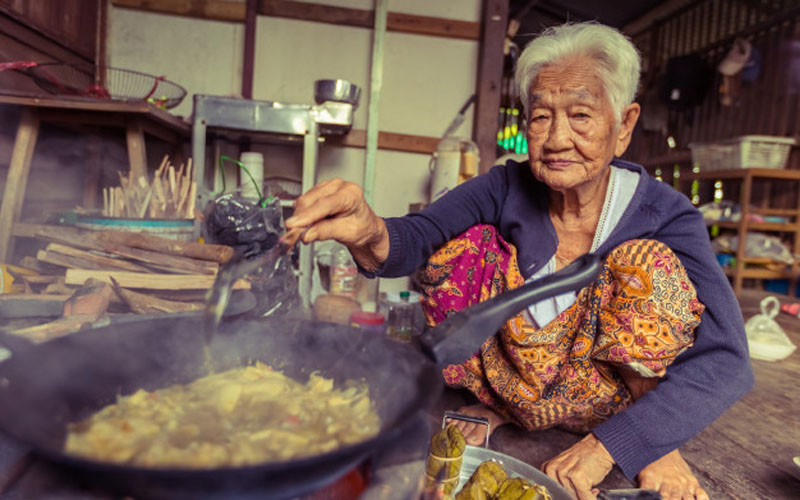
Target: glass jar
(344,273)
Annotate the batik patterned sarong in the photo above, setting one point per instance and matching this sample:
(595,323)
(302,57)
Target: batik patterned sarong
(639,314)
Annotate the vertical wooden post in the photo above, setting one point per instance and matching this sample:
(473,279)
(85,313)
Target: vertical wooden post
(137,156)
(490,75)
(17,180)
(248,64)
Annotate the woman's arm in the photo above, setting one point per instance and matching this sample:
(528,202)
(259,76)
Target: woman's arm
(703,381)
(414,237)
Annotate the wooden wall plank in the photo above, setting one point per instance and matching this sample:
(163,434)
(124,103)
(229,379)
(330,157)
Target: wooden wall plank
(389,141)
(228,10)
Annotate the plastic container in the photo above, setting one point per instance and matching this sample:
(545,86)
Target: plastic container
(747,151)
(368,321)
(255,167)
(454,161)
(344,273)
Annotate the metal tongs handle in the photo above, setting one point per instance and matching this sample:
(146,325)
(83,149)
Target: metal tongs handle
(454,415)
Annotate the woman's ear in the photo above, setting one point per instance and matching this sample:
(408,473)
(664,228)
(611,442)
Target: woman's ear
(630,115)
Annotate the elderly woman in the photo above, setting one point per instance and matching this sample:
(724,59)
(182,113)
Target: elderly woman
(644,358)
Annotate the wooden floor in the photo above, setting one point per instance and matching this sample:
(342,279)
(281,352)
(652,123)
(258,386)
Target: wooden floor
(747,453)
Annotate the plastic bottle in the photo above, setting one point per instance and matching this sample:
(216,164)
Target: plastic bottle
(401,318)
(344,273)
(254,162)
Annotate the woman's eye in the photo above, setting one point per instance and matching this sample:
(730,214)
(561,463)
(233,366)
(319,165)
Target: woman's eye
(539,118)
(580,115)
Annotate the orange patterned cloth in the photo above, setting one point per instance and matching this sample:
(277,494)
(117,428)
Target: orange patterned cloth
(640,313)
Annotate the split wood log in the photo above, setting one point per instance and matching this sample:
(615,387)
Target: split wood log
(166,262)
(202,251)
(150,281)
(104,240)
(67,261)
(142,303)
(102,260)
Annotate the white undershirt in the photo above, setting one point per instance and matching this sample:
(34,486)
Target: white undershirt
(621,187)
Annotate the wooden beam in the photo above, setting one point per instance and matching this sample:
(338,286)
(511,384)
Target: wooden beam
(490,75)
(226,10)
(219,10)
(389,141)
(249,62)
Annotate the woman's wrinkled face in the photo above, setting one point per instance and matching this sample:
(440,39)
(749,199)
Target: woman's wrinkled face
(571,127)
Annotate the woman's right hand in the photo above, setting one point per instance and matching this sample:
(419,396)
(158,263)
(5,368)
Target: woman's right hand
(337,210)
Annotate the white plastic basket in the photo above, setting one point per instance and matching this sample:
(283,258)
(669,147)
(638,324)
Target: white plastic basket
(747,151)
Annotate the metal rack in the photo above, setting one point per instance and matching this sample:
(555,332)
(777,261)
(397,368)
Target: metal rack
(276,122)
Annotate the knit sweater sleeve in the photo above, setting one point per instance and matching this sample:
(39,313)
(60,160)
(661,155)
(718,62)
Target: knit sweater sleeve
(414,237)
(704,380)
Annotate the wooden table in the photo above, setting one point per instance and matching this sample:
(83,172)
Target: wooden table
(135,117)
(746,453)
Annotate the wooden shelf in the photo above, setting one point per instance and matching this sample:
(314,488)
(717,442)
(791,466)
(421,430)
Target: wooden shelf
(760,273)
(741,173)
(783,227)
(739,272)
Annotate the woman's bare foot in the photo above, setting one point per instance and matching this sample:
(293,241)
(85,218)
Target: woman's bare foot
(671,476)
(475,434)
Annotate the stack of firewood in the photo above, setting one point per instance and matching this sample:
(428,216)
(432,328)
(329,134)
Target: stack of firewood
(170,195)
(149,273)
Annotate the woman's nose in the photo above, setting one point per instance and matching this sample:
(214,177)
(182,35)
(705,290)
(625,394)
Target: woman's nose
(558,137)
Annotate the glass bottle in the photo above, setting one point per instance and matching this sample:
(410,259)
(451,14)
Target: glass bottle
(401,319)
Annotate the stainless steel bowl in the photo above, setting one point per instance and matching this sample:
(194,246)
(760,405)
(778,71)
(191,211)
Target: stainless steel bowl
(337,91)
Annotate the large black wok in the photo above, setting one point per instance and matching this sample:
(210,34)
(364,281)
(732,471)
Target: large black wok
(47,386)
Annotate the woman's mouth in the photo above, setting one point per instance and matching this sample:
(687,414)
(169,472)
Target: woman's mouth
(559,164)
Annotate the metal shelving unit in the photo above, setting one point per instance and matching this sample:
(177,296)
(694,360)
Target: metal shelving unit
(274,122)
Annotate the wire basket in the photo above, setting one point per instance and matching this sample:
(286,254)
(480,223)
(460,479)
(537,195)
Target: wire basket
(747,151)
(78,80)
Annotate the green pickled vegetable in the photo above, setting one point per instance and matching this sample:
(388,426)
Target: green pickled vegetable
(445,457)
(484,482)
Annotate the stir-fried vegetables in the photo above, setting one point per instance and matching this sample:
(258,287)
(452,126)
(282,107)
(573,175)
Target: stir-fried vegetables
(242,416)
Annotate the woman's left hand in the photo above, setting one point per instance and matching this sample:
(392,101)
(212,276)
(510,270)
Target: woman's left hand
(671,476)
(580,467)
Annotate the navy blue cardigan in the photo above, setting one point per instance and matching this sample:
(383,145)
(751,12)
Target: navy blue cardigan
(702,382)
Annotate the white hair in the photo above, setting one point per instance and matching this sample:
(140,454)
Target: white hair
(618,63)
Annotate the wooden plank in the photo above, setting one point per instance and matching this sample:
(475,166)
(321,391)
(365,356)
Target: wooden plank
(103,261)
(389,141)
(17,180)
(433,26)
(490,75)
(149,281)
(220,10)
(223,10)
(28,305)
(100,105)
